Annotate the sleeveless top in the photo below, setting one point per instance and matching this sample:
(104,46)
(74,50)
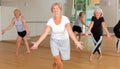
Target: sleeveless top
(78,23)
(19,24)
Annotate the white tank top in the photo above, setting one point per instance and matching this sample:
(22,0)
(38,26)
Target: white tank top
(19,25)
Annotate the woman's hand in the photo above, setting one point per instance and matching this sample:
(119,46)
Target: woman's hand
(28,32)
(79,45)
(108,35)
(3,31)
(35,45)
(86,34)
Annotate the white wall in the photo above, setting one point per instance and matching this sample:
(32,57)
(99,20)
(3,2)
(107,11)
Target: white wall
(6,16)
(68,8)
(39,10)
(35,28)
(36,12)
(110,11)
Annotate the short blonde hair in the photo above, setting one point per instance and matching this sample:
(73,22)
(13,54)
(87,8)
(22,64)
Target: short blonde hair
(100,10)
(56,4)
(17,11)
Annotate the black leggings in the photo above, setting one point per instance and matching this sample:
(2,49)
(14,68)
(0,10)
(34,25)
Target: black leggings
(97,42)
(116,31)
(118,44)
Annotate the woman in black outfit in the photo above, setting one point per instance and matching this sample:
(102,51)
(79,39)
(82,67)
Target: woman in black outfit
(116,30)
(96,27)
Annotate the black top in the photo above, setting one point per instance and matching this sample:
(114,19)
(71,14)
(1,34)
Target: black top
(97,27)
(116,29)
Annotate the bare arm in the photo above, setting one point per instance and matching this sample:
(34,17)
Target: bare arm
(42,37)
(90,27)
(25,25)
(9,27)
(69,29)
(106,30)
(83,21)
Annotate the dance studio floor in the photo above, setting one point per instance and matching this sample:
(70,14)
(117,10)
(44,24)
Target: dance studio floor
(42,59)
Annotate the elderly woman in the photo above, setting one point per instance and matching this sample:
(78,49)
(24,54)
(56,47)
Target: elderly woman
(22,29)
(78,25)
(60,30)
(96,27)
(116,30)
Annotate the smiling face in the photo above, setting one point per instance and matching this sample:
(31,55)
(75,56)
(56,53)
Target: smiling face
(17,13)
(98,13)
(56,9)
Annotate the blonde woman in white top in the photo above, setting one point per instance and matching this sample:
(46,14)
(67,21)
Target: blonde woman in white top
(60,28)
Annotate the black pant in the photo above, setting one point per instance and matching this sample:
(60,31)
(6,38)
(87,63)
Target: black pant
(22,34)
(77,29)
(97,42)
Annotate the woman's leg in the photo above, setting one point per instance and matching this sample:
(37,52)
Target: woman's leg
(118,46)
(57,63)
(80,35)
(90,58)
(100,56)
(26,44)
(97,42)
(18,42)
(54,65)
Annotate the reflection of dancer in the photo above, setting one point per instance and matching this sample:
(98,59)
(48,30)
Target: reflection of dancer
(21,26)
(96,29)
(77,27)
(117,34)
(60,30)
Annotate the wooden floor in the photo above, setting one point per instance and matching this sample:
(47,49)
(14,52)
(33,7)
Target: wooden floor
(42,59)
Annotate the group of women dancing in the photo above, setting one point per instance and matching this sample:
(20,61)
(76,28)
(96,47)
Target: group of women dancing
(60,29)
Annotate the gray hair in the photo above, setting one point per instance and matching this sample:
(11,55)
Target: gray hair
(99,10)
